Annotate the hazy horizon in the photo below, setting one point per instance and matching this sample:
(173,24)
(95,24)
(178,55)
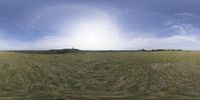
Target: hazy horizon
(99,24)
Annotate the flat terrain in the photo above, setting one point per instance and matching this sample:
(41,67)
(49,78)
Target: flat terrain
(100,76)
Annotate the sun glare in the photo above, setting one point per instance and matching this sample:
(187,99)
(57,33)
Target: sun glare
(95,34)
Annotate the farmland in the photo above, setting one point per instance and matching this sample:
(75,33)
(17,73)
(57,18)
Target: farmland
(100,75)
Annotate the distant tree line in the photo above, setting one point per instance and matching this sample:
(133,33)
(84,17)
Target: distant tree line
(60,51)
(72,50)
(53,51)
(161,50)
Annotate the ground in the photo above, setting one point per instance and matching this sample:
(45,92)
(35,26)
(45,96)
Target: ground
(100,76)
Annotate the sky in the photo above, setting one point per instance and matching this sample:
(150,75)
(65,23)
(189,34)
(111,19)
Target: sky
(99,24)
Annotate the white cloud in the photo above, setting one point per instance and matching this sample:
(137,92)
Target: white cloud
(9,44)
(175,42)
(186,14)
(186,36)
(185,29)
(12,45)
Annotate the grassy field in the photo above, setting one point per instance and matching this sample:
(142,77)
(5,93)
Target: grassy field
(100,76)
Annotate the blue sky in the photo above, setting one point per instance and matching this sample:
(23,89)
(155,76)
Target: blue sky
(99,24)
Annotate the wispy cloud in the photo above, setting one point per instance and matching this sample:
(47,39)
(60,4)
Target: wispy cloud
(184,29)
(187,15)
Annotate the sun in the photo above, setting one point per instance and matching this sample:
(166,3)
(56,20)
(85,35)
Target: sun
(95,34)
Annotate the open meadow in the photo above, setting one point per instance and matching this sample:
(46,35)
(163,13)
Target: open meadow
(100,76)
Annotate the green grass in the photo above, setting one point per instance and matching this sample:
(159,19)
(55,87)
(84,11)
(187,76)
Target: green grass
(100,76)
